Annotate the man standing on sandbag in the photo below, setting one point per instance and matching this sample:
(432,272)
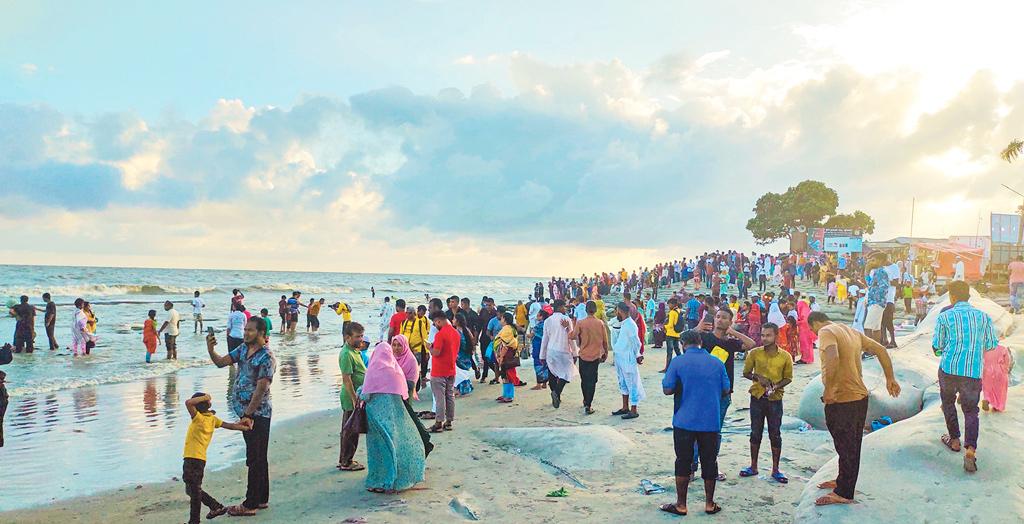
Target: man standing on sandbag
(963,333)
(846,398)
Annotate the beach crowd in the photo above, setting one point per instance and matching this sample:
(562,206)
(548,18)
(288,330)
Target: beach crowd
(709,314)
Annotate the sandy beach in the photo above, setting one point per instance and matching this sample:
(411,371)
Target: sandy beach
(502,460)
(495,467)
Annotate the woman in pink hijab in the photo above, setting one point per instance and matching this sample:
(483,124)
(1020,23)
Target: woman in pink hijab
(411,368)
(395,457)
(807,337)
(995,378)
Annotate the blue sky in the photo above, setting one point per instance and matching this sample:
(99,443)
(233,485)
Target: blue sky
(402,136)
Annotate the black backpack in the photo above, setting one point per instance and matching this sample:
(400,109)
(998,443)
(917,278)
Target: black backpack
(680,322)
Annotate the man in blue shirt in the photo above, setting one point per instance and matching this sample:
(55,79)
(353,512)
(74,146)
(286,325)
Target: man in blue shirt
(692,312)
(700,381)
(963,333)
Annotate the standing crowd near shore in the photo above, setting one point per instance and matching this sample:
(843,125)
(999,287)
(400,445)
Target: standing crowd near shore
(710,314)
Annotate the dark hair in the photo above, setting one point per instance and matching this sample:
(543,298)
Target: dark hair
(197,293)
(465,300)
(591,307)
(46,296)
(673,300)
(623,306)
(453,297)
(79,302)
(152,313)
(543,314)
(260,325)
(771,326)
(509,320)
(502,310)
(959,289)
(462,320)
(203,406)
(400,303)
(264,311)
(558,304)
(240,306)
(352,328)
(438,314)
(234,291)
(436,302)
(421,307)
(24,299)
(817,316)
(726,310)
(690,338)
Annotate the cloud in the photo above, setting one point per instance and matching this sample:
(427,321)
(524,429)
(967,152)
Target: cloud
(578,160)
(29,69)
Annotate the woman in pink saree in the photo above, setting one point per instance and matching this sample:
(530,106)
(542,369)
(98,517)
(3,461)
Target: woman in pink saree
(996,378)
(807,337)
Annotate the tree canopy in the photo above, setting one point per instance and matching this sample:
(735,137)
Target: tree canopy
(806,204)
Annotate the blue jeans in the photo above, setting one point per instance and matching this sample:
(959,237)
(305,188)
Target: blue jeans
(1015,290)
(724,405)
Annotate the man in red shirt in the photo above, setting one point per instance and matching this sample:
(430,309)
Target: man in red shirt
(395,324)
(442,373)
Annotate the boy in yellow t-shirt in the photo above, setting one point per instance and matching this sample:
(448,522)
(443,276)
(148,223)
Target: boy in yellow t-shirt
(197,439)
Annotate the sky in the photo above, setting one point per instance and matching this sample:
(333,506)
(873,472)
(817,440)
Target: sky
(500,138)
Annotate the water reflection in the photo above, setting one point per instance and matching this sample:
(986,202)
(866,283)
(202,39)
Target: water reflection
(76,442)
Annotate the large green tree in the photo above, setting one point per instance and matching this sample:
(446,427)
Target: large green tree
(806,204)
(857,220)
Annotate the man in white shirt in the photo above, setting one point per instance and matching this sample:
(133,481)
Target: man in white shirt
(197,313)
(170,330)
(557,353)
(236,326)
(958,269)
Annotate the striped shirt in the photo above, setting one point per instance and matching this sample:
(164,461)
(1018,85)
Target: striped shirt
(962,334)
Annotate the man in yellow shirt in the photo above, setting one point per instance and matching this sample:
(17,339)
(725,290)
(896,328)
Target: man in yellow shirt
(671,335)
(343,309)
(416,328)
(771,371)
(197,440)
(312,314)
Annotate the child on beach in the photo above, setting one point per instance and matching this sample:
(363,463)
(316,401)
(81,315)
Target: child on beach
(197,440)
(995,378)
(149,336)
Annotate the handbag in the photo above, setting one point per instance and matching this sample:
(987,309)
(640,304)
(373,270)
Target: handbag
(356,422)
(6,355)
(510,358)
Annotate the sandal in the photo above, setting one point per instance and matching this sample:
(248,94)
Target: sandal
(948,441)
(352,466)
(427,415)
(619,412)
(748,472)
(436,428)
(630,415)
(671,508)
(214,513)
(970,463)
(715,508)
(780,477)
(447,426)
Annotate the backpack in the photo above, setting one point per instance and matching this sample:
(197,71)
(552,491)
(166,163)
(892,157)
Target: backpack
(680,324)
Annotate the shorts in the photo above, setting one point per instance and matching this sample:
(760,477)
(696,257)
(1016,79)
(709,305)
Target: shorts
(197,317)
(293,316)
(314,321)
(873,319)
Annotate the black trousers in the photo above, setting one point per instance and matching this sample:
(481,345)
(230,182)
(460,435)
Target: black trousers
(257,441)
(845,421)
(707,449)
(588,380)
(887,324)
(192,471)
(761,410)
(557,384)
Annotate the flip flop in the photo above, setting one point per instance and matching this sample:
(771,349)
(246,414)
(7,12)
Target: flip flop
(714,509)
(620,412)
(352,466)
(780,477)
(671,508)
(748,472)
(630,415)
(948,441)
(214,513)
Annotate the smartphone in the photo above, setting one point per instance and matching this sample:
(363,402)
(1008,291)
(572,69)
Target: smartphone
(209,331)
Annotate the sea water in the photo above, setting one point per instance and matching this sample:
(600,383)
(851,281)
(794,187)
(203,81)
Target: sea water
(80,425)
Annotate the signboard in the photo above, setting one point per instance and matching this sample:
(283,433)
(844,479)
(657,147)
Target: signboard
(832,240)
(1005,228)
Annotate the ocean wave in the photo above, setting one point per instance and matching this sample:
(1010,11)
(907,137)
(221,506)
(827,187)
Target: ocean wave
(305,289)
(101,290)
